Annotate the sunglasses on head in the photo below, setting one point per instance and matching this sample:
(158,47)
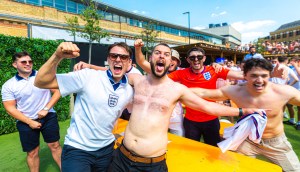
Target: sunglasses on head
(193,58)
(114,56)
(24,62)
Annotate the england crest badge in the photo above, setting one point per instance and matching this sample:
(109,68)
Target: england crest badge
(113,100)
(207,75)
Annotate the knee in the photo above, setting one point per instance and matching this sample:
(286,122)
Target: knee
(34,153)
(54,146)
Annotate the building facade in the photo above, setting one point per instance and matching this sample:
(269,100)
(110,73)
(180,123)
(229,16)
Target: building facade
(232,36)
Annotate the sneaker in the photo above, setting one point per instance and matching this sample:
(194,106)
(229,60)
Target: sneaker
(285,115)
(298,127)
(289,122)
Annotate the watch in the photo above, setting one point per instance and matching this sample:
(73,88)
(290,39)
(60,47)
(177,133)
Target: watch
(46,109)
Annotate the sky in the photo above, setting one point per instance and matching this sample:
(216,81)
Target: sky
(253,19)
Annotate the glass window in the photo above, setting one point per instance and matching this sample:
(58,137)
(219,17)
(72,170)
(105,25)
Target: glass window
(284,35)
(48,3)
(278,37)
(60,5)
(80,8)
(108,16)
(34,2)
(122,19)
(71,6)
(291,34)
(116,18)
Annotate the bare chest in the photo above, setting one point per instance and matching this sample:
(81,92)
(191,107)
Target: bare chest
(157,98)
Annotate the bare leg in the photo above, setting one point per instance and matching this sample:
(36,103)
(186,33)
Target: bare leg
(33,160)
(291,111)
(56,152)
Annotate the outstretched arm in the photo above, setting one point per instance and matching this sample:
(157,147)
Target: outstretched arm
(82,65)
(211,94)
(139,56)
(46,77)
(191,100)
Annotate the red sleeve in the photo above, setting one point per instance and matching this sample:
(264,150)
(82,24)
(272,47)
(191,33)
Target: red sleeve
(175,76)
(223,74)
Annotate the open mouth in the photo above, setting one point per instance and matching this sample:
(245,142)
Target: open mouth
(117,69)
(259,86)
(160,66)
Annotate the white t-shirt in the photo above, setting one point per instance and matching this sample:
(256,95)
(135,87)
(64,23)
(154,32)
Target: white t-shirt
(281,81)
(97,106)
(134,70)
(297,84)
(30,99)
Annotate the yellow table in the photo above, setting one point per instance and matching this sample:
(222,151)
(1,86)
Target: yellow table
(185,155)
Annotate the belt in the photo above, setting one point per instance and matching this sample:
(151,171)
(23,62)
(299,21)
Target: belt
(135,158)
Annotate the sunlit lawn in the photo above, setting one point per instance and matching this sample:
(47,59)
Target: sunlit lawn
(12,159)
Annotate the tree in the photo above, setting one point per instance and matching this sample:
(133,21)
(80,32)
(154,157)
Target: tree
(259,45)
(149,36)
(91,30)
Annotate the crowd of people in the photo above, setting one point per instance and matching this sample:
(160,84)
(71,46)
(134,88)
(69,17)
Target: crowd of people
(154,103)
(275,47)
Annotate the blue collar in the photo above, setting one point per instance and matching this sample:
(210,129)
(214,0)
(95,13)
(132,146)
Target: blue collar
(115,85)
(19,78)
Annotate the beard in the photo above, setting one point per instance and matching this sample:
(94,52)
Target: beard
(156,75)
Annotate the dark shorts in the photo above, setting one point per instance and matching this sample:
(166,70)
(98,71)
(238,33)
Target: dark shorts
(30,138)
(209,130)
(78,160)
(121,163)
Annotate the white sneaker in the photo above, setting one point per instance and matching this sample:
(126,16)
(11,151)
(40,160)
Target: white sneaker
(285,115)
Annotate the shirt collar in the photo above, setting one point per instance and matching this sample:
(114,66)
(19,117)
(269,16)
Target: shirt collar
(124,79)
(19,78)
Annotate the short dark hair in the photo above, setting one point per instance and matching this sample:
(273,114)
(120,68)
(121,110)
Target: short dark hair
(195,49)
(282,58)
(257,62)
(123,45)
(163,44)
(251,47)
(19,55)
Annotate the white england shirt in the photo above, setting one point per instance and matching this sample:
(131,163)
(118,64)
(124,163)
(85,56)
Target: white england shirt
(99,103)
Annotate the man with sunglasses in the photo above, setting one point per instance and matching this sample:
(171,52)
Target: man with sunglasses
(32,107)
(101,98)
(196,123)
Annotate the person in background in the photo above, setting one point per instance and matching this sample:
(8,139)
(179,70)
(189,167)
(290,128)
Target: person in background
(295,62)
(33,109)
(252,54)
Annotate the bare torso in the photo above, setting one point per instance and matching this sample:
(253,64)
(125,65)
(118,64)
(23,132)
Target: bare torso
(146,133)
(273,99)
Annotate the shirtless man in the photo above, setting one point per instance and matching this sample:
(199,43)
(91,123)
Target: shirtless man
(258,92)
(145,139)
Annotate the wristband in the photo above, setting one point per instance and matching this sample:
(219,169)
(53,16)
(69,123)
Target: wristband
(241,112)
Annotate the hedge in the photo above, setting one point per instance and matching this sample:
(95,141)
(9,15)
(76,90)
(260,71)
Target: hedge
(40,50)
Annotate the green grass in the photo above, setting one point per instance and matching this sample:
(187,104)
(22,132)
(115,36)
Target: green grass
(13,159)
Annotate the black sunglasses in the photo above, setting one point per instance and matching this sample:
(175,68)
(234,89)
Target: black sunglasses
(24,62)
(114,56)
(193,58)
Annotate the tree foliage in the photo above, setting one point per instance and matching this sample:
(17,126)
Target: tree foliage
(91,30)
(149,36)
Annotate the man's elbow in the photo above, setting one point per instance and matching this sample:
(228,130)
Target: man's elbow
(38,83)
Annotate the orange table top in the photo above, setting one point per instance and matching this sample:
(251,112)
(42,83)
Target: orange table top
(185,155)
